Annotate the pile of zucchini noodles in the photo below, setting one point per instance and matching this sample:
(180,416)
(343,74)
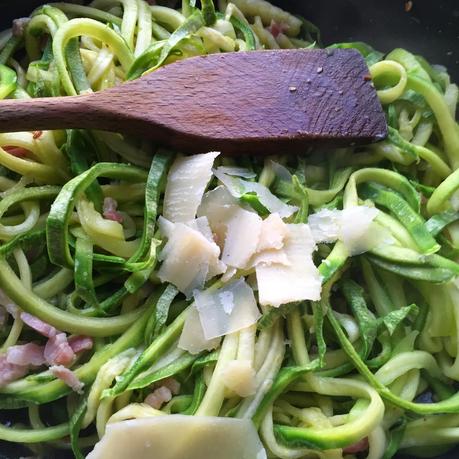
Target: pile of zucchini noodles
(377,359)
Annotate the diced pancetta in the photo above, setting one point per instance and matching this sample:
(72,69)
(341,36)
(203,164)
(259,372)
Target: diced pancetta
(158,397)
(110,211)
(80,343)
(58,350)
(26,354)
(68,376)
(38,325)
(9,372)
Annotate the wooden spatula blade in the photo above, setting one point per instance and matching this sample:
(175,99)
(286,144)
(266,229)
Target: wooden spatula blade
(257,102)
(264,102)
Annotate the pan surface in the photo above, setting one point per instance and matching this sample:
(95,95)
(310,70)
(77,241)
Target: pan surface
(428,28)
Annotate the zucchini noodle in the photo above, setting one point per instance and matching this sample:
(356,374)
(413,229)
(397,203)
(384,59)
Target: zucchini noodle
(369,370)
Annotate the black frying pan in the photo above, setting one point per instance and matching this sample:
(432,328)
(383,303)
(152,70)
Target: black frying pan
(430,28)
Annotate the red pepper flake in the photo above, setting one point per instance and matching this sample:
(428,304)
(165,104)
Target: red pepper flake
(408,6)
(37,134)
(367,77)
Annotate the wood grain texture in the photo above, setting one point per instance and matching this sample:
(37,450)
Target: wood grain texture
(266,101)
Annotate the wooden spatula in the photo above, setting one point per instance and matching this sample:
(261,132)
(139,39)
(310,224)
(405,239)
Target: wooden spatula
(266,101)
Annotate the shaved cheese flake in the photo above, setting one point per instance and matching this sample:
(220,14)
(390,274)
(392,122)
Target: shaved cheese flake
(186,182)
(229,274)
(357,231)
(201,224)
(227,310)
(189,259)
(192,338)
(237,171)
(218,206)
(273,232)
(353,226)
(325,225)
(279,284)
(281,171)
(216,268)
(269,257)
(242,237)
(166,227)
(238,187)
(199,437)
(239,376)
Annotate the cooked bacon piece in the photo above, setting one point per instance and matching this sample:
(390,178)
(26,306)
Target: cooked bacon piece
(68,376)
(26,354)
(3,316)
(277,28)
(58,350)
(158,397)
(18,152)
(110,212)
(38,325)
(172,384)
(358,447)
(37,134)
(19,26)
(80,343)
(9,371)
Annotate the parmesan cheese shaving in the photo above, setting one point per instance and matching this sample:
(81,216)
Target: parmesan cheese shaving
(238,187)
(166,227)
(242,238)
(273,232)
(178,436)
(189,259)
(218,206)
(186,183)
(353,226)
(269,257)
(357,231)
(239,376)
(237,171)
(226,310)
(325,225)
(281,171)
(201,224)
(279,284)
(192,338)
(229,274)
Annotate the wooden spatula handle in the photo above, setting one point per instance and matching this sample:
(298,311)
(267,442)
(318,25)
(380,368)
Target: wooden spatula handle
(49,113)
(105,111)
